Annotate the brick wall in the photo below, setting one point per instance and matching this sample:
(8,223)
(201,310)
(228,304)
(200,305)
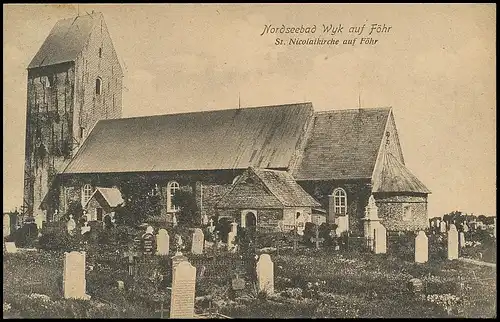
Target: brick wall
(390,210)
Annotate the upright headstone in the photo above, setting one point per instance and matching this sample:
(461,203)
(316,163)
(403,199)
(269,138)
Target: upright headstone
(465,228)
(380,246)
(265,274)
(183,291)
(74,282)
(342,223)
(231,237)
(198,239)
(10,247)
(85,228)
(71,225)
(6,225)
(178,258)
(443,227)
(421,248)
(371,221)
(147,241)
(461,239)
(162,242)
(452,242)
(174,220)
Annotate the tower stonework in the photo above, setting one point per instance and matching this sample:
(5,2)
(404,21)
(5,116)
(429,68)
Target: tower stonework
(74,80)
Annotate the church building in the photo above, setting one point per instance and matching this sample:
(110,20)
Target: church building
(323,162)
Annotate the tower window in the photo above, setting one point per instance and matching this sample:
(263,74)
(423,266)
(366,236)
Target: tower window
(86,194)
(172,187)
(340,201)
(98,86)
(100,52)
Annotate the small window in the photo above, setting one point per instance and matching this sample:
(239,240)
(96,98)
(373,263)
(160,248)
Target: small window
(82,132)
(172,188)
(98,86)
(86,194)
(340,201)
(98,214)
(100,52)
(407,212)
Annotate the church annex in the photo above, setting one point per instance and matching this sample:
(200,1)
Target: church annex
(77,142)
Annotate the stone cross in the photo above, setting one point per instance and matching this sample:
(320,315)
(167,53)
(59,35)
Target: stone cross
(452,243)
(461,239)
(183,291)
(316,239)
(71,225)
(380,240)
(421,248)
(198,239)
(265,274)
(174,220)
(162,242)
(211,226)
(74,283)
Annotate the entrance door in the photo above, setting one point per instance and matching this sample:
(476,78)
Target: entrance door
(250,220)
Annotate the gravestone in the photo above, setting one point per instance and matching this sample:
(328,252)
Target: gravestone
(342,223)
(198,239)
(132,255)
(416,287)
(461,239)
(421,248)
(74,282)
(71,225)
(85,228)
(317,239)
(6,225)
(147,241)
(162,242)
(10,247)
(371,221)
(380,241)
(465,228)
(178,243)
(183,291)
(452,243)
(443,227)
(211,226)
(231,237)
(174,220)
(265,274)
(238,283)
(120,285)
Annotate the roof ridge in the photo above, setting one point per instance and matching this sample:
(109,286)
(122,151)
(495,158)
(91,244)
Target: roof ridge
(353,109)
(207,111)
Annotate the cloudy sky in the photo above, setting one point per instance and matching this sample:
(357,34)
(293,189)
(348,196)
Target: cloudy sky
(435,67)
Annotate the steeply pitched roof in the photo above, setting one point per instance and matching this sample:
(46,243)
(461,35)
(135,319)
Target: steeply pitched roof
(274,189)
(65,41)
(285,188)
(395,177)
(343,144)
(224,139)
(112,196)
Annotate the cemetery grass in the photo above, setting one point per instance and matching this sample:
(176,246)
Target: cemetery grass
(351,285)
(33,289)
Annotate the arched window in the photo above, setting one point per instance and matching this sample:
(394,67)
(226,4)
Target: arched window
(340,201)
(98,85)
(172,187)
(86,194)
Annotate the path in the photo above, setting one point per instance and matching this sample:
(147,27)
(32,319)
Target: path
(476,262)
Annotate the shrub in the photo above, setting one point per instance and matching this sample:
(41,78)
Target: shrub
(59,240)
(26,236)
(309,233)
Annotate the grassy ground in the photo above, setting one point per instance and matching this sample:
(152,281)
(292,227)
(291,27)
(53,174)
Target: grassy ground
(307,284)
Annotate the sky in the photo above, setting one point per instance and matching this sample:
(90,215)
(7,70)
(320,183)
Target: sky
(435,67)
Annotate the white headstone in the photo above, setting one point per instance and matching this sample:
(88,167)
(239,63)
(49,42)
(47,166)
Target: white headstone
(121,285)
(443,227)
(421,248)
(198,239)
(6,225)
(162,242)
(85,228)
(452,242)
(380,240)
(265,274)
(234,227)
(461,239)
(74,283)
(10,247)
(342,223)
(465,227)
(174,220)
(71,225)
(183,291)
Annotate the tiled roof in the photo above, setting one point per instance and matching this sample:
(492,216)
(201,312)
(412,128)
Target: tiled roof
(112,196)
(65,41)
(343,144)
(225,139)
(395,177)
(266,189)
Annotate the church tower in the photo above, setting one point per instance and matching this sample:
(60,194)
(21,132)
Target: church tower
(74,80)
